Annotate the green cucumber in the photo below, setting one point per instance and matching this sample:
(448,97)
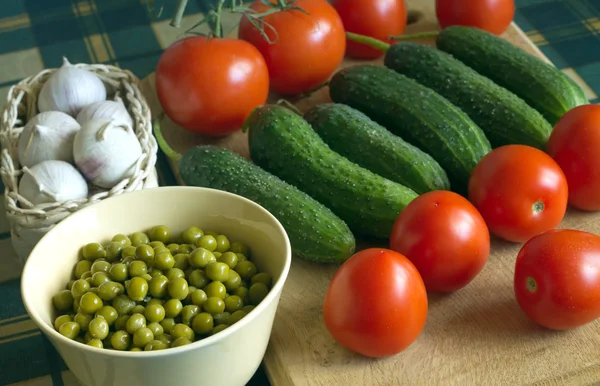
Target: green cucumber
(352,134)
(415,113)
(284,144)
(504,117)
(540,84)
(315,233)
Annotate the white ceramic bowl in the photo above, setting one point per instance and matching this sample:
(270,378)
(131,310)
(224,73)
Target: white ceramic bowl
(228,358)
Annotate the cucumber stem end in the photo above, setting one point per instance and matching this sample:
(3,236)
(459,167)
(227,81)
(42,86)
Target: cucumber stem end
(372,42)
(162,143)
(420,35)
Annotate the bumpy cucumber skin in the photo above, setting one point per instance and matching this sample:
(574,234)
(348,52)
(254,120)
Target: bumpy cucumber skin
(504,117)
(541,85)
(315,233)
(417,114)
(284,144)
(352,134)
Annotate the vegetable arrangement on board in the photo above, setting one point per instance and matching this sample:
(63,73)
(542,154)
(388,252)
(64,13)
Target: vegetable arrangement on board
(431,152)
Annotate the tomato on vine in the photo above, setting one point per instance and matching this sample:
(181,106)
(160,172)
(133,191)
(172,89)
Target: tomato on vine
(490,15)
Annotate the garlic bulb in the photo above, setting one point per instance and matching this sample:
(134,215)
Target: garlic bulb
(52,181)
(106,151)
(105,109)
(70,89)
(47,136)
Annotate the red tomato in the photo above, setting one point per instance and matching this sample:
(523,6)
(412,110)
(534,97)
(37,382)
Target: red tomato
(557,278)
(520,192)
(574,145)
(445,237)
(491,15)
(376,303)
(307,48)
(210,86)
(375,18)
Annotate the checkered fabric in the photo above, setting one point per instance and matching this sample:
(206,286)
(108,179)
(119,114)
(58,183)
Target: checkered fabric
(36,34)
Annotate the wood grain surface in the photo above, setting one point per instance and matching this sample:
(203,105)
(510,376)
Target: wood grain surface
(477,336)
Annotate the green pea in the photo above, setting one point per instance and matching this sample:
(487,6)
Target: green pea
(159,233)
(178,288)
(191,235)
(156,328)
(257,292)
(156,272)
(158,286)
(199,297)
(236,317)
(214,305)
(146,277)
(95,343)
(93,251)
(238,247)
(89,280)
(155,301)
(182,330)
(62,319)
(167,324)
(86,274)
(128,251)
(81,267)
(181,261)
(262,277)
(127,260)
(242,292)
(233,281)
(80,287)
(63,300)
(156,244)
(118,272)
(135,349)
(215,289)
(70,283)
(98,328)
(212,233)
(229,258)
(83,320)
(76,303)
(207,242)
(241,257)
(144,252)
(106,342)
(182,341)
(233,303)
(99,278)
(139,238)
(248,308)
(202,323)
(217,271)
(198,278)
(121,238)
(186,249)
(138,309)
(100,266)
(154,313)
(137,289)
(120,340)
(173,308)
(222,243)
(142,337)
(113,251)
(94,290)
(90,303)
(165,338)
(155,345)
(219,328)
(188,312)
(135,322)
(246,269)
(201,257)
(109,290)
(137,268)
(222,318)
(164,260)
(70,329)
(173,247)
(174,273)
(121,322)
(123,304)
(109,314)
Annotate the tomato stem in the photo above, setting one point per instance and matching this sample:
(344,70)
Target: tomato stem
(420,35)
(289,105)
(538,207)
(176,22)
(372,42)
(162,143)
(531,284)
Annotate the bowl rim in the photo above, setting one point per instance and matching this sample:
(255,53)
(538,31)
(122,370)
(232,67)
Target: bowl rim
(208,341)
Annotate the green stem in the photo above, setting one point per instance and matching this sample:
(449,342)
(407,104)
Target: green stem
(420,35)
(218,29)
(289,105)
(162,143)
(375,43)
(176,22)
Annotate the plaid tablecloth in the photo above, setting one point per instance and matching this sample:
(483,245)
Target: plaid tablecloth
(35,34)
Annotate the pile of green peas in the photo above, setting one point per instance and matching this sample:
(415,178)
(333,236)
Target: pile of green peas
(145,292)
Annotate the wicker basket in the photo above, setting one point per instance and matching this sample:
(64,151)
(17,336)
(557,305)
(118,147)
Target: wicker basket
(28,223)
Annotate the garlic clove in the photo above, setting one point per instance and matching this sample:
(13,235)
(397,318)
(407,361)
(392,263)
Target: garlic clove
(70,89)
(47,136)
(106,151)
(52,181)
(113,110)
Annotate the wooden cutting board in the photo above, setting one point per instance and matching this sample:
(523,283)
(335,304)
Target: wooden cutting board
(477,336)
